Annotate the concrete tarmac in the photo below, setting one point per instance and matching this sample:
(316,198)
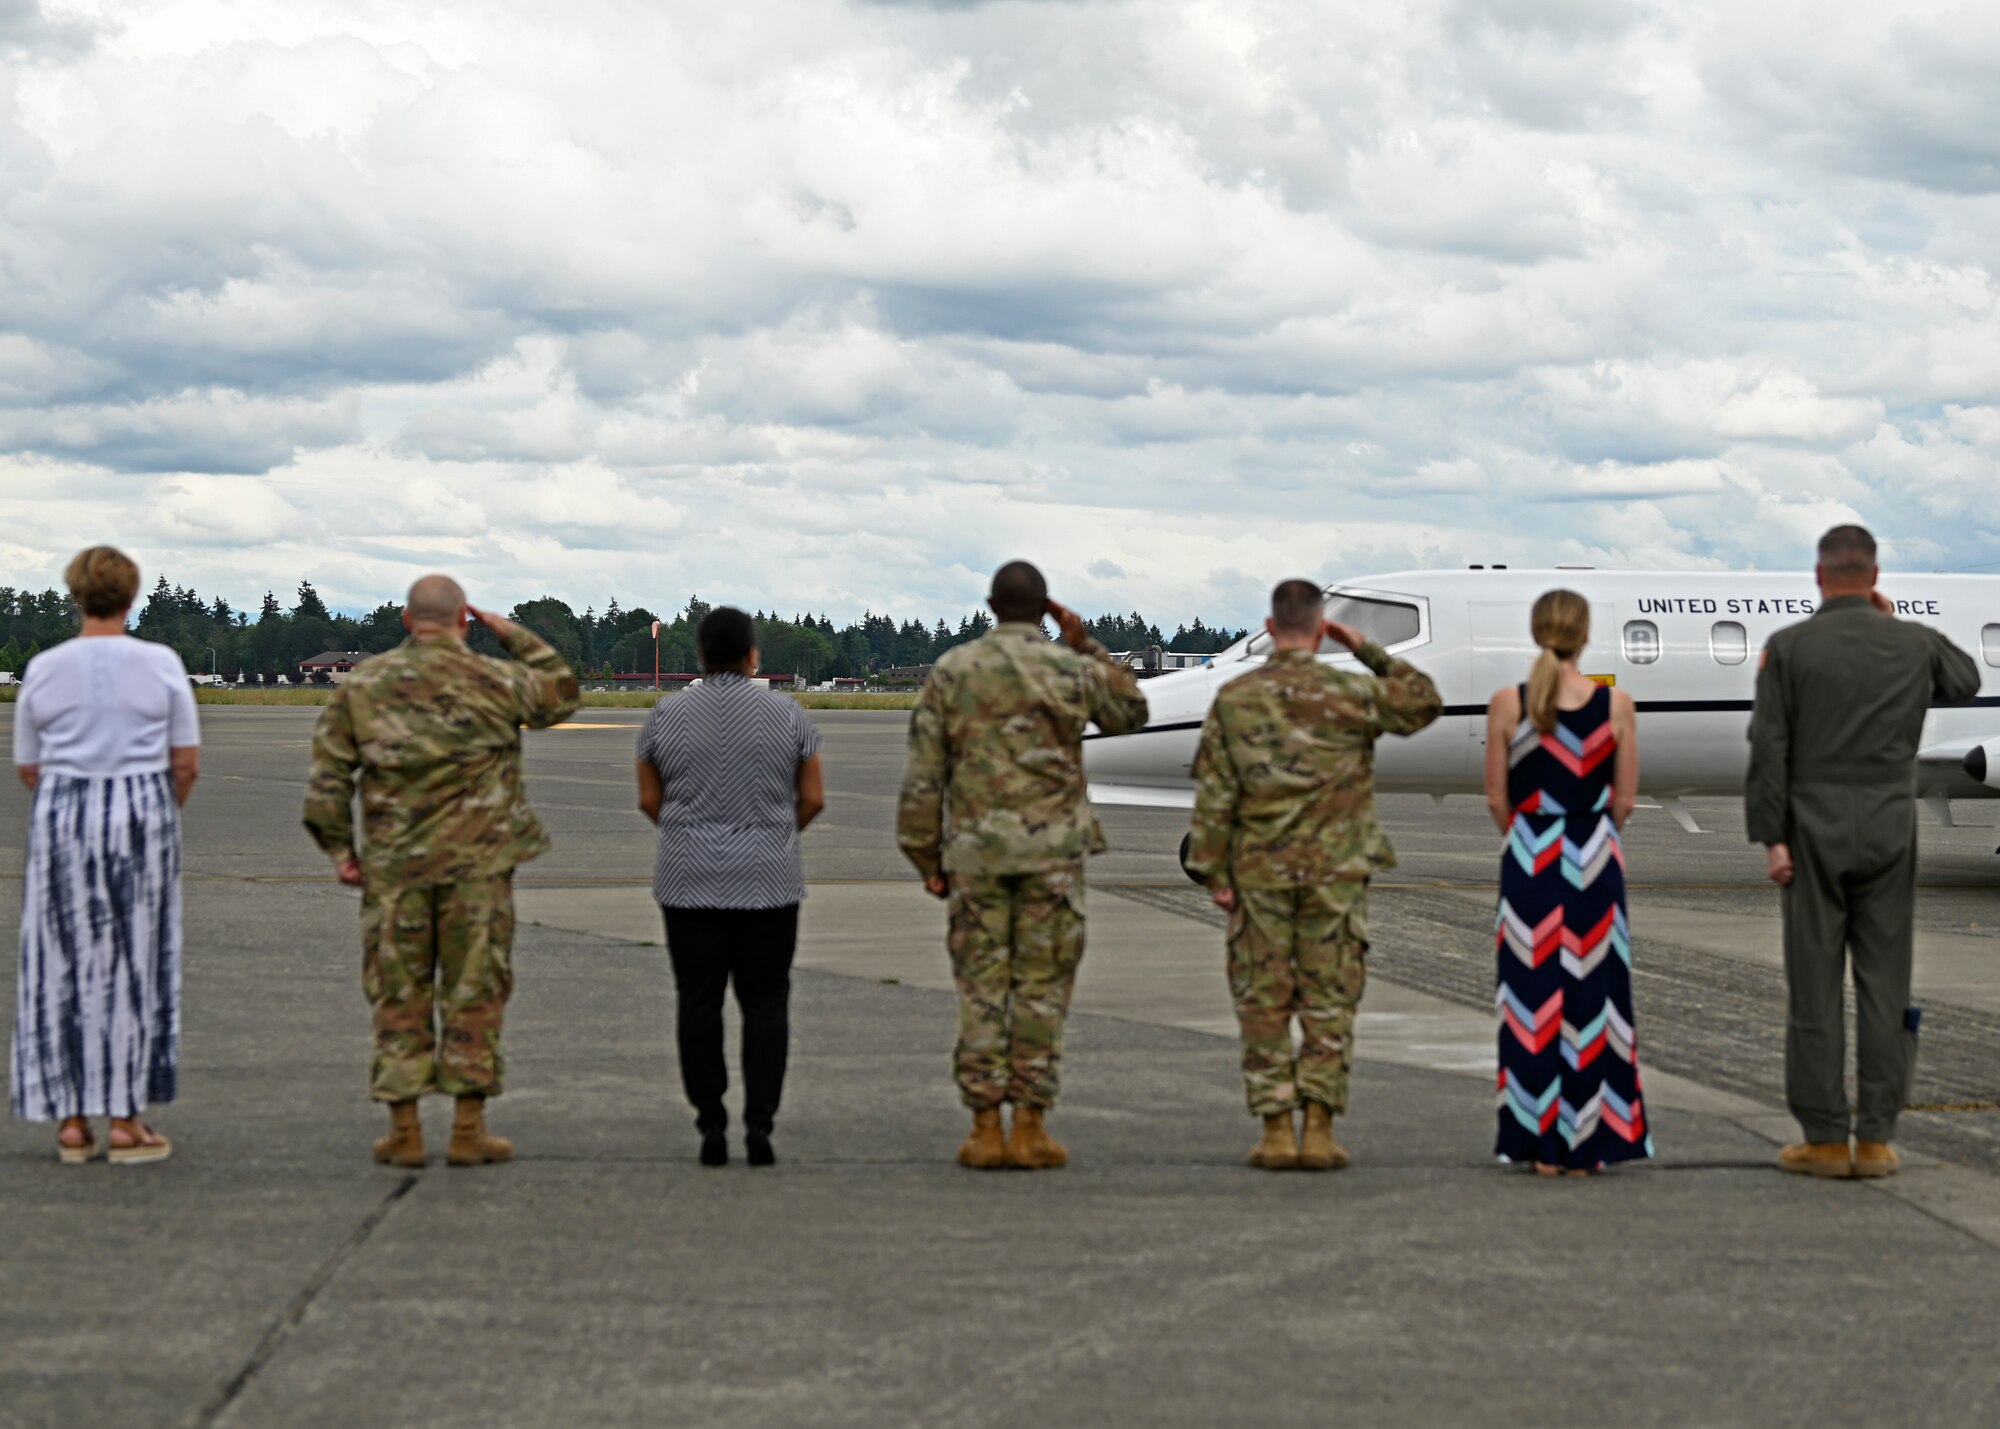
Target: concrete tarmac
(270,1274)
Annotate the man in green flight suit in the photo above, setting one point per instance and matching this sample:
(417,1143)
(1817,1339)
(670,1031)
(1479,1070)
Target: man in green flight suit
(1285,837)
(430,734)
(994,817)
(1831,791)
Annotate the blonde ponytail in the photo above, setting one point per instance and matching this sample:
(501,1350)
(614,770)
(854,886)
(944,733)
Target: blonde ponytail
(1544,685)
(1561,626)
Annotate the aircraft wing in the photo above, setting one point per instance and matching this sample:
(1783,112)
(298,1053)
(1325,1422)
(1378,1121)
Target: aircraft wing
(1142,796)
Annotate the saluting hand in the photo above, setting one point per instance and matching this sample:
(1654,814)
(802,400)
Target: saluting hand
(1068,623)
(1882,602)
(1345,634)
(500,625)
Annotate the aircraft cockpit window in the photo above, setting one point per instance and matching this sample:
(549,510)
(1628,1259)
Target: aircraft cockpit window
(1728,643)
(1989,644)
(1642,642)
(1388,623)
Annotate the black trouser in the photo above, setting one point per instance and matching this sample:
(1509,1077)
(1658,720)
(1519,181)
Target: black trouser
(710,948)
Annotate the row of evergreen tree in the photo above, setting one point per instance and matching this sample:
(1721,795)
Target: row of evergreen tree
(212,635)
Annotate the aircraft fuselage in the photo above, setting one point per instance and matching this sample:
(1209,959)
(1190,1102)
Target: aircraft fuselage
(1684,645)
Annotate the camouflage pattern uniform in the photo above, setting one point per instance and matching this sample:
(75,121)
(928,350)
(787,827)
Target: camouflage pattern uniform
(430,732)
(1285,814)
(993,799)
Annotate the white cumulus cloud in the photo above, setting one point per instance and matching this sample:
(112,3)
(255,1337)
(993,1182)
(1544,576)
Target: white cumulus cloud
(828,305)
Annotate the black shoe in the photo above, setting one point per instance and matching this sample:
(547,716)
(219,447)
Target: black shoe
(715,1149)
(757,1148)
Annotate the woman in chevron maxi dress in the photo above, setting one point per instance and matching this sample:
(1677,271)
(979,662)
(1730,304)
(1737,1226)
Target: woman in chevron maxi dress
(1561,777)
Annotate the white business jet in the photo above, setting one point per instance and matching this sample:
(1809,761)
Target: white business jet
(1685,645)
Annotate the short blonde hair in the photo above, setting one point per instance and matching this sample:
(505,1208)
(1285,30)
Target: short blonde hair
(103,581)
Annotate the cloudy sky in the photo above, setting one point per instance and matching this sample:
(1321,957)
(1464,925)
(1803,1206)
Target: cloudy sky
(828,304)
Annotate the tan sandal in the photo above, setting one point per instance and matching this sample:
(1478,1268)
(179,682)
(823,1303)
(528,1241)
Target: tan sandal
(150,1147)
(84,1151)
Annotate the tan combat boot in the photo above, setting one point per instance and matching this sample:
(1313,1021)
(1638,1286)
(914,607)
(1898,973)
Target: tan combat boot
(1817,1158)
(1318,1151)
(1029,1147)
(470,1144)
(404,1145)
(1876,1158)
(983,1149)
(1279,1150)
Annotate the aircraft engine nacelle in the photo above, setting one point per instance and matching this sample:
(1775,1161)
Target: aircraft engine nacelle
(1982,763)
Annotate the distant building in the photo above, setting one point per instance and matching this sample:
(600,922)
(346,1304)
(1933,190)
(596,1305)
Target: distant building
(1158,662)
(336,663)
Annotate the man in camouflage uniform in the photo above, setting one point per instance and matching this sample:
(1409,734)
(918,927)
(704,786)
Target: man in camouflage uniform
(1285,837)
(430,733)
(994,817)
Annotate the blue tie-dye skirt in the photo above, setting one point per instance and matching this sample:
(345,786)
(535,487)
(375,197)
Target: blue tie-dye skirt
(97,1024)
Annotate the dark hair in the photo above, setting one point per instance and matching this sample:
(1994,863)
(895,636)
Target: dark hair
(1297,607)
(726,638)
(1019,592)
(1847,551)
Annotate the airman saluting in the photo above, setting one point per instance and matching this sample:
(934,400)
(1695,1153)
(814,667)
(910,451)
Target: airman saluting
(430,735)
(1841,701)
(1285,837)
(993,815)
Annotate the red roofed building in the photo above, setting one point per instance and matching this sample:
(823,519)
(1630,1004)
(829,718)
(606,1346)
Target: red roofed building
(335,662)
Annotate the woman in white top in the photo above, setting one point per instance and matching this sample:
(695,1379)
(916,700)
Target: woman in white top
(106,739)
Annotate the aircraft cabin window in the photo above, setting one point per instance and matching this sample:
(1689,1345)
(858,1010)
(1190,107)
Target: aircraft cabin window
(1728,643)
(1989,644)
(1642,642)
(1387,622)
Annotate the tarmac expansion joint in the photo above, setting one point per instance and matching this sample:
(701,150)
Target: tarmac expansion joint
(273,1339)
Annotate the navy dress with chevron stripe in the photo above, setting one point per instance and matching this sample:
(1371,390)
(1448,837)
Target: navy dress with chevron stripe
(1569,1064)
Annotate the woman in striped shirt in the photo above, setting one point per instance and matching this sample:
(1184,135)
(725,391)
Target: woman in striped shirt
(729,772)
